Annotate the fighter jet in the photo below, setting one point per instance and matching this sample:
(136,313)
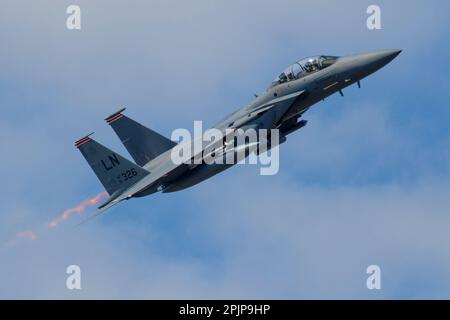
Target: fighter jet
(281,106)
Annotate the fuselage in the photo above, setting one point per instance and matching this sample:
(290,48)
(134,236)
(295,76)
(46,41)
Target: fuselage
(297,89)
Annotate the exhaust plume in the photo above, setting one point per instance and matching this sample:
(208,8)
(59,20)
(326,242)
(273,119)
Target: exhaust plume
(33,235)
(28,235)
(78,209)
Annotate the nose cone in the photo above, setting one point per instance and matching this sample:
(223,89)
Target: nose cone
(373,61)
(385,56)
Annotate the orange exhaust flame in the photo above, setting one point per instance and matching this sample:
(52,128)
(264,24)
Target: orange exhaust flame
(32,235)
(78,209)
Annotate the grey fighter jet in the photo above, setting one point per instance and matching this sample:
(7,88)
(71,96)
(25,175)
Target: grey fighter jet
(281,107)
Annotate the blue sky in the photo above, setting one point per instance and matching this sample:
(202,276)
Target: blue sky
(366,182)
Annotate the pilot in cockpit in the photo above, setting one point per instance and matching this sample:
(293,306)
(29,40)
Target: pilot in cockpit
(312,65)
(303,68)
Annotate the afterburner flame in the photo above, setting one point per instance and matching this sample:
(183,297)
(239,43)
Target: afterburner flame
(78,209)
(33,235)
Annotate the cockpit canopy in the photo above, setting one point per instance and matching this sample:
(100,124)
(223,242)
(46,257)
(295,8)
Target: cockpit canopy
(303,68)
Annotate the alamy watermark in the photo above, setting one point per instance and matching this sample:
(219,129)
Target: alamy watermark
(374,280)
(73,281)
(374,20)
(228,147)
(73,21)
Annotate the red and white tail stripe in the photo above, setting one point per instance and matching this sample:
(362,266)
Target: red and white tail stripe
(83,140)
(115,116)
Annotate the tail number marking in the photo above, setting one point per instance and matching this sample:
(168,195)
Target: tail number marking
(113,161)
(127,175)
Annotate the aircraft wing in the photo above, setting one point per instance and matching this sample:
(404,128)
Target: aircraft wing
(282,104)
(281,99)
